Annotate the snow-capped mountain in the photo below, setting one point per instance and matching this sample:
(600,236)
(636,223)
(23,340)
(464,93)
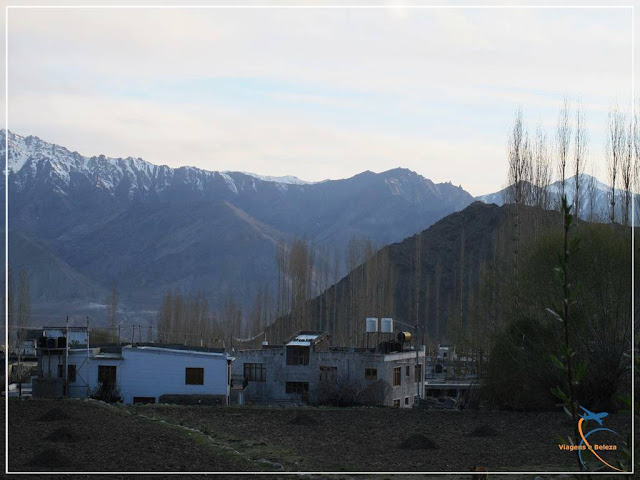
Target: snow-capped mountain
(152,228)
(595,197)
(287,179)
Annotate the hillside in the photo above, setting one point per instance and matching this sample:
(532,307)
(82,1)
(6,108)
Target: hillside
(451,256)
(153,228)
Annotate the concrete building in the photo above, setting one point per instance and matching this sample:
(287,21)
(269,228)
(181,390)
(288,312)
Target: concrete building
(448,374)
(143,373)
(307,369)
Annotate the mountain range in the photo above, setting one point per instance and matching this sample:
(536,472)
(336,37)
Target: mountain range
(78,224)
(595,198)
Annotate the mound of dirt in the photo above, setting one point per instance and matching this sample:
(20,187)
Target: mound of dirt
(418,442)
(304,420)
(483,430)
(64,435)
(50,458)
(53,415)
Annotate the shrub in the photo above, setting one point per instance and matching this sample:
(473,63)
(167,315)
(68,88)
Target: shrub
(107,392)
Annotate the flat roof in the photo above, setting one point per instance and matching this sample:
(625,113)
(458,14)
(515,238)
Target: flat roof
(176,351)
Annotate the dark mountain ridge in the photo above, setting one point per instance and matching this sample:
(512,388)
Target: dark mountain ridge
(151,228)
(439,294)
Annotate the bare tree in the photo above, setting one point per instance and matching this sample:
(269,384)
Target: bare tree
(24,301)
(517,167)
(636,155)
(626,174)
(592,196)
(541,170)
(12,320)
(579,157)
(615,146)
(520,160)
(563,143)
(112,302)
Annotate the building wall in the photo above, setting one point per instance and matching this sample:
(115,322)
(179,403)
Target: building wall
(350,371)
(155,373)
(151,373)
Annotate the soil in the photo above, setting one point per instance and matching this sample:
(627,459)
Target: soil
(418,442)
(163,438)
(304,420)
(53,415)
(111,439)
(484,431)
(64,435)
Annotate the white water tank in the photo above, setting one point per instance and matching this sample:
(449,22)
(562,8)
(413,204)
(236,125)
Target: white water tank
(372,325)
(386,325)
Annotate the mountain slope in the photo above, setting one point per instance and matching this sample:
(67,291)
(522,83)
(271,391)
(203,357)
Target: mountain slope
(451,254)
(151,228)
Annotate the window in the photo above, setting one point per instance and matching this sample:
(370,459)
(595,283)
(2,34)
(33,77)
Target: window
(71,372)
(418,373)
(255,372)
(300,388)
(194,376)
(370,373)
(107,374)
(328,374)
(406,400)
(297,355)
(408,370)
(396,403)
(397,376)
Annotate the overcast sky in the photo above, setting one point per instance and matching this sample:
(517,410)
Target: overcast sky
(316,93)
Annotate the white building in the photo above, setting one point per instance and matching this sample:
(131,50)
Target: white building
(143,374)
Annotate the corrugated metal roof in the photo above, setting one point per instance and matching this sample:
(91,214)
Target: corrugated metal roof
(304,339)
(306,336)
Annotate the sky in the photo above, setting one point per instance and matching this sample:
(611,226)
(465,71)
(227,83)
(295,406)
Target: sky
(316,93)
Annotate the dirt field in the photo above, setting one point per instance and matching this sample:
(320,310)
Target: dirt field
(76,435)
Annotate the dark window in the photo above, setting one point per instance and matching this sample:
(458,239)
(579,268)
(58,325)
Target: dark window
(297,355)
(396,403)
(329,374)
(370,373)
(107,374)
(397,377)
(72,373)
(194,376)
(300,388)
(408,370)
(255,372)
(406,400)
(418,373)
(144,400)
